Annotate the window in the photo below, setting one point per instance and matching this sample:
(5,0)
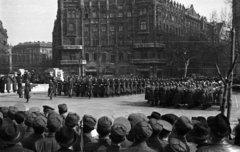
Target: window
(140,12)
(68,14)
(103,28)
(111,14)
(73,14)
(129,27)
(120,14)
(72,56)
(112,58)
(94,28)
(86,28)
(71,28)
(111,28)
(120,40)
(112,40)
(86,14)
(86,42)
(95,41)
(120,56)
(159,25)
(129,14)
(143,25)
(104,41)
(144,11)
(104,57)
(120,28)
(72,41)
(95,57)
(87,56)
(94,14)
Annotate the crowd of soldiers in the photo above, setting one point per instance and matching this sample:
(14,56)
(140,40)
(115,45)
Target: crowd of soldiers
(95,87)
(181,92)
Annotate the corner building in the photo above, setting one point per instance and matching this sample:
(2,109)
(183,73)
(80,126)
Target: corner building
(120,37)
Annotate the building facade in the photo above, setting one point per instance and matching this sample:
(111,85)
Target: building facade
(30,56)
(121,37)
(4,58)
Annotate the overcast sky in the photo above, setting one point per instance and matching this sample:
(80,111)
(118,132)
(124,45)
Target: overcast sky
(32,20)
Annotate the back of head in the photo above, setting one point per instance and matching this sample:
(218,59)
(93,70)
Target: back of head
(183,125)
(62,108)
(89,123)
(142,131)
(20,117)
(39,124)
(118,133)
(104,126)
(54,123)
(72,119)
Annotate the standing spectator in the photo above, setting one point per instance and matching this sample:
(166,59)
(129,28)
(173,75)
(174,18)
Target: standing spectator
(47,110)
(8,84)
(142,131)
(164,134)
(20,118)
(118,133)
(237,136)
(63,109)
(2,84)
(28,122)
(153,141)
(14,84)
(66,137)
(123,121)
(103,128)
(177,140)
(220,130)
(12,136)
(49,144)
(39,124)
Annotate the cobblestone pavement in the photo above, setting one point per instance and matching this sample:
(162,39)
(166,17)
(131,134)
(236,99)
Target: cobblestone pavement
(116,106)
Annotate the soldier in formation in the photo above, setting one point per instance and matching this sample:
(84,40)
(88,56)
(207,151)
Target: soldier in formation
(177,93)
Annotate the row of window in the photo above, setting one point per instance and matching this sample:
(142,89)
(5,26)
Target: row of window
(94,14)
(112,41)
(105,57)
(104,28)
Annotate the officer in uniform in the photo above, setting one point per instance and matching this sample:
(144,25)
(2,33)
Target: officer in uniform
(14,84)
(20,88)
(50,89)
(27,90)
(59,87)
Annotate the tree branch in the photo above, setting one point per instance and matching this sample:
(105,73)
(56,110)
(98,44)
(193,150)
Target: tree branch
(232,65)
(219,73)
(235,85)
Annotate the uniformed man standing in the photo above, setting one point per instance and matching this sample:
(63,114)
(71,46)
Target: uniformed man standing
(27,90)
(20,88)
(50,89)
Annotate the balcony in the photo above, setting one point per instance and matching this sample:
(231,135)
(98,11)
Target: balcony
(148,61)
(69,62)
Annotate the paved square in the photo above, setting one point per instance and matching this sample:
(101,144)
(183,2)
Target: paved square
(114,107)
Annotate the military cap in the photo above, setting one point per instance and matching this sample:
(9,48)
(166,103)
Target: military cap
(54,123)
(183,124)
(47,107)
(124,122)
(72,119)
(4,111)
(142,131)
(171,118)
(200,131)
(118,133)
(30,118)
(155,115)
(62,108)
(40,121)
(11,112)
(66,137)
(156,126)
(134,118)
(220,126)
(104,124)
(20,107)
(34,109)
(89,121)
(166,125)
